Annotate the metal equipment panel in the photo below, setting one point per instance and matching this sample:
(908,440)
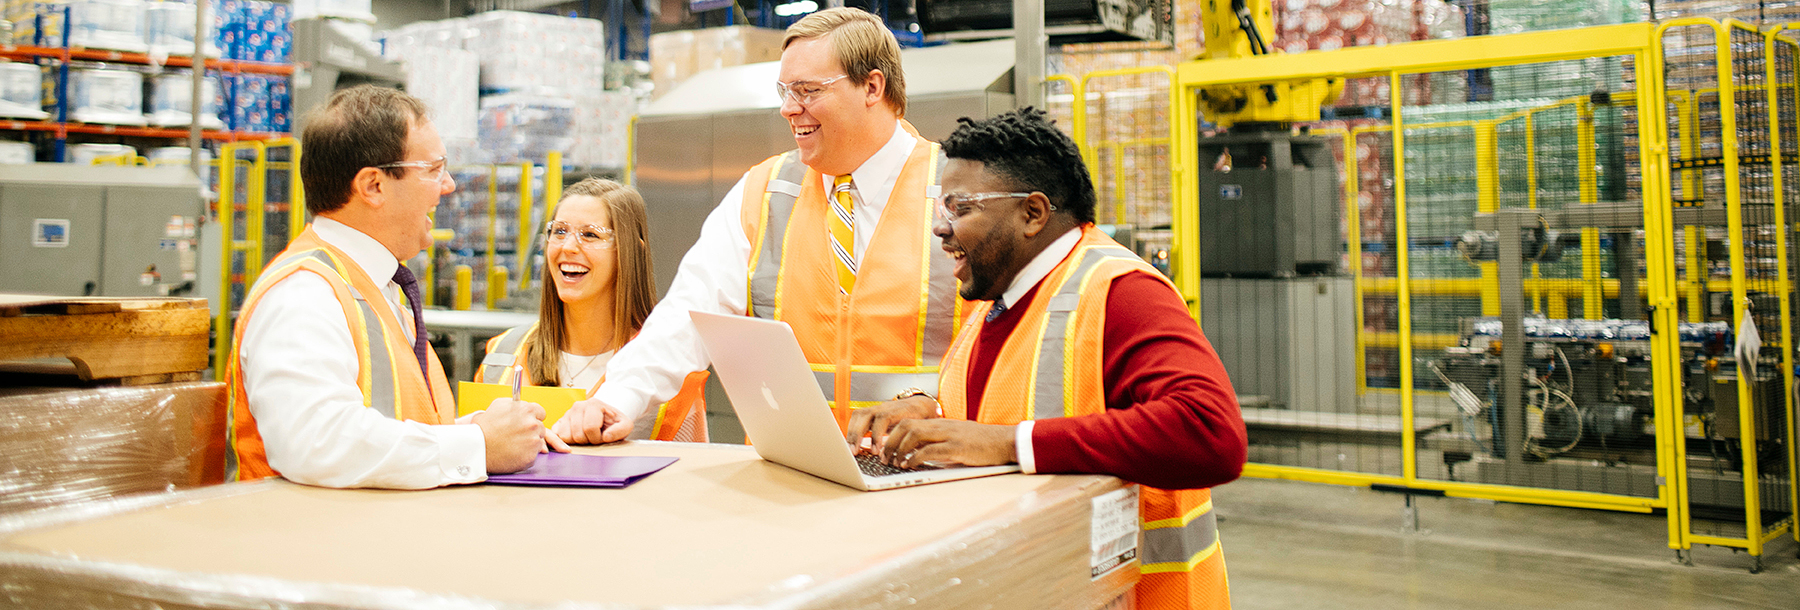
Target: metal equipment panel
(35,259)
(1267,206)
(143,239)
(675,176)
(1305,360)
(936,117)
(741,140)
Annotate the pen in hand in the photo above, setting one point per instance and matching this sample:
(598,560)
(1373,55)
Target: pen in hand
(518,381)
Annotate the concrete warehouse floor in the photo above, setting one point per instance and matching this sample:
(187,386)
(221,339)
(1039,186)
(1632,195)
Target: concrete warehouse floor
(1303,545)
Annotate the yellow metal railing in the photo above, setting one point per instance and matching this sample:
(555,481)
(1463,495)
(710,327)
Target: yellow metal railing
(1658,286)
(247,194)
(1183,263)
(1777,44)
(497,281)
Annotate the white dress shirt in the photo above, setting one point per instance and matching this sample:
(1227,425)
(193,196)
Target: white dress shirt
(712,278)
(1033,273)
(299,368)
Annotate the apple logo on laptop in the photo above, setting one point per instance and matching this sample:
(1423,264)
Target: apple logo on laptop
(769,395)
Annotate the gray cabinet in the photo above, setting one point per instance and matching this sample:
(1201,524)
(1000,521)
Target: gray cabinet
(70,230)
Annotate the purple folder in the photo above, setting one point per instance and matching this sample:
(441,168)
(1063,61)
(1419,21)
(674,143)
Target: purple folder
(574,470)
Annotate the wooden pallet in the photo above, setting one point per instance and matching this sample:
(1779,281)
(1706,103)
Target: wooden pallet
(125,340)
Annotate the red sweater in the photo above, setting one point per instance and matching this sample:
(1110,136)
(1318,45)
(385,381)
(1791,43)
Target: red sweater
(1171,418)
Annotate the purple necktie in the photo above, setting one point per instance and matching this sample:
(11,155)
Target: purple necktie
(409,284)
(998,308)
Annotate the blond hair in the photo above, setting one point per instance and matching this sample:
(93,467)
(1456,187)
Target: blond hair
(633,294)
(861,43)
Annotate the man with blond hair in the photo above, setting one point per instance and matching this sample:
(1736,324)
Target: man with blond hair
(833,238)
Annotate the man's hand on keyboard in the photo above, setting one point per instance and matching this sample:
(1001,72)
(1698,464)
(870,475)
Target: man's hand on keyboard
(877,421)
(949,441)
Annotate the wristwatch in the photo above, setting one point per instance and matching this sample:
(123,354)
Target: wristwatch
(911,392)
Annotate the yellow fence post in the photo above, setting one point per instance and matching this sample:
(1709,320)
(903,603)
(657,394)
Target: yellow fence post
(1184,258)
(1353,235)
(1740,298)
(1487,201)
(493,229)
(1409,466)
(465,288)
(496,286)
(1590,193)
(553,184)
(227,212)
(522,249)
(1687,123)
(1772,87)
(1665,348)
(630,162)
(256,212)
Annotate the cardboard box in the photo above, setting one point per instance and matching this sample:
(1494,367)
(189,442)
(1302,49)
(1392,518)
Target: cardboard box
(675,56)
(719,528)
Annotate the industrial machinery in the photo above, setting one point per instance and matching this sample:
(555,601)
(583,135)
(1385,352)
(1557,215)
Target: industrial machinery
(1583,400)
(1268,226)
(1072,20)
(94,230)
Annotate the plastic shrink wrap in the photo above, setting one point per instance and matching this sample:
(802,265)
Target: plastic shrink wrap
(61,447)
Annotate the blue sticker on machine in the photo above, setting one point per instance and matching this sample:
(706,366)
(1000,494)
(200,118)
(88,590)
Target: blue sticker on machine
(50,233)
(1231,191)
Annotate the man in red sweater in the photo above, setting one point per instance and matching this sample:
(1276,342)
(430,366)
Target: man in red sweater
(1077,358)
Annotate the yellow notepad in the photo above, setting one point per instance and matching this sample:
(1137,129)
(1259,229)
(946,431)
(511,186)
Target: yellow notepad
(472,397)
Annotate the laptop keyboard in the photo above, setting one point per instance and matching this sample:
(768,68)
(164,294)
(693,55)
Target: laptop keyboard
(873,466)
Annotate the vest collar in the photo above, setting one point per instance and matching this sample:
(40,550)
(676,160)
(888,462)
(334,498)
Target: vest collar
(374,258)
(1041,265)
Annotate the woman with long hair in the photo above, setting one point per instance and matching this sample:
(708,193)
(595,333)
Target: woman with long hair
(596,294)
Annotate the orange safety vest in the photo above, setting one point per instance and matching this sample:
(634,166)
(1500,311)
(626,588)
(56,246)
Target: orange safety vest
(892,330)
(1051,366)
(388,374)
(682,419)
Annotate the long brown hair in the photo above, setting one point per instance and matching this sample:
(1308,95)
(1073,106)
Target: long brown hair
(633,295)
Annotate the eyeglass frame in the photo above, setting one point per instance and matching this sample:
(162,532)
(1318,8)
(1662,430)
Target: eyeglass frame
(785,91)
(975,199)
(441,163)
(608,238)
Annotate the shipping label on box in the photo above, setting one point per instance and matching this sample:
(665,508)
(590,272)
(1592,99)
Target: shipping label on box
(1113,535)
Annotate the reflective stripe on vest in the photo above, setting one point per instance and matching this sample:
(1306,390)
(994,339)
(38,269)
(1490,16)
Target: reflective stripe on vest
(1050,397)
(1175,545)
(778,208)
(381,393)
(1044,371)
(935,329)
(376,374)
(496,364)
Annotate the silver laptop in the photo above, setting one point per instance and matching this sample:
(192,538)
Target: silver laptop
(785,414)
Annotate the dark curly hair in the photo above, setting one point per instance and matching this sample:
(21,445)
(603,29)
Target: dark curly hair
(1027,149)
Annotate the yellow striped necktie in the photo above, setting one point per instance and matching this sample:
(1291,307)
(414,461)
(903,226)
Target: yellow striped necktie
(843,233)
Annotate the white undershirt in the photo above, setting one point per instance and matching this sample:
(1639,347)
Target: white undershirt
(582,371)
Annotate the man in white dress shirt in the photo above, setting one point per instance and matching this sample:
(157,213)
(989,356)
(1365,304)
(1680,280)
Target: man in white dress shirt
(332,383)
(833,238)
